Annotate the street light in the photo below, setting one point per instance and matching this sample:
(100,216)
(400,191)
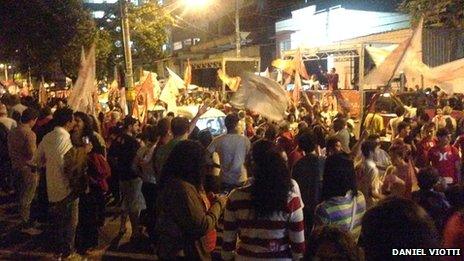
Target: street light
(196,3)
(126,38)
(203,3)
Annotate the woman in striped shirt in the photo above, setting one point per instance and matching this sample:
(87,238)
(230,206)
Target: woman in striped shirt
(267,215)
(343,205)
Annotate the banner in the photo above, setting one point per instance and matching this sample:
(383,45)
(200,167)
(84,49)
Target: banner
(350,99)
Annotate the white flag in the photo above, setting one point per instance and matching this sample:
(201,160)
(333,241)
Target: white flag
(177,81)
(83,96)
(262,95)
(170,92)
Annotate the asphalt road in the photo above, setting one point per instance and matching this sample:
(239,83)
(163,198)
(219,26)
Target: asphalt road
(15,245)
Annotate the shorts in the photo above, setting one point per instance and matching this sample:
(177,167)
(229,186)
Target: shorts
(132,197)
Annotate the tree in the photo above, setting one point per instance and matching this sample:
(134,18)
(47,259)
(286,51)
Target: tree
(45,37)
(148,23)
(443,13)
(447,14)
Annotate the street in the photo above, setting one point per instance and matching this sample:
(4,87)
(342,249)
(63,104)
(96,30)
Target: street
(15,245)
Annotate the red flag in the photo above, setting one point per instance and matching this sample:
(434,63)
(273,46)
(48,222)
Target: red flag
(297,89)
(144,98)
(299,65)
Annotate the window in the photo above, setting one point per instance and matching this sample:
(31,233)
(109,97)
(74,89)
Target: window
(98,14)
(187,42)
(285,45)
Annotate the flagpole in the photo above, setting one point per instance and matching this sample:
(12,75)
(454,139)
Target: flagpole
(130,95)
(237,28)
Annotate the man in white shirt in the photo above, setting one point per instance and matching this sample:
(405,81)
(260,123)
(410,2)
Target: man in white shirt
(369,180)
(393,123)
(381,158)
(4,119)
(63,206)
(17,106)
(232,149)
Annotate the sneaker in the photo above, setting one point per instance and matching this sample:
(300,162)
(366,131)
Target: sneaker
(32,231)
(75,257)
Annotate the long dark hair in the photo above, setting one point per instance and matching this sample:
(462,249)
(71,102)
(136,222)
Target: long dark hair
(339,177)
(187,162)
(272,182)
(88,124)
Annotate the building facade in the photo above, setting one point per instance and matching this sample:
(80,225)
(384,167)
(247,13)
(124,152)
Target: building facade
(210,33)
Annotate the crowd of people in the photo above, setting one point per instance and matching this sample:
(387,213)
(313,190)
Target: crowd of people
(304,188)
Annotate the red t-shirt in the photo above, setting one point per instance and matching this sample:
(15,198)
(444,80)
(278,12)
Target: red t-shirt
(444,160)
(294,156)
(423,148)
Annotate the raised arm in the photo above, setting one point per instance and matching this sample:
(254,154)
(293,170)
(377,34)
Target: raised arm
(202,109)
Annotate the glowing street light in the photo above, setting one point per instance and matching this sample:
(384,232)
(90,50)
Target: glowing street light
(196,3)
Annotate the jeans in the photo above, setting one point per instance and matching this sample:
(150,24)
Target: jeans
(150,191)
(64,217)
(28,187)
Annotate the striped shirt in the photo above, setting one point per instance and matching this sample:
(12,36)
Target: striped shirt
(279,237)
(339,210)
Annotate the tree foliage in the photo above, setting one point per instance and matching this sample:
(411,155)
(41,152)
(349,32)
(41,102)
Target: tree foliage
(148,31)
(439,13)
(46,36)
(148,23)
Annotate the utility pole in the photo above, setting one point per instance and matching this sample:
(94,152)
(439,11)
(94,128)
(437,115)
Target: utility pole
(130,94)
(237,28)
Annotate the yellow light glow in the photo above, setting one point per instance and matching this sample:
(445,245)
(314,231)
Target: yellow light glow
(196,3)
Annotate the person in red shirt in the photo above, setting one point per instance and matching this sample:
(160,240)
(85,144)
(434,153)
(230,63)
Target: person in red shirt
(332,79)
(286,140)
(423,147)
(445,158)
